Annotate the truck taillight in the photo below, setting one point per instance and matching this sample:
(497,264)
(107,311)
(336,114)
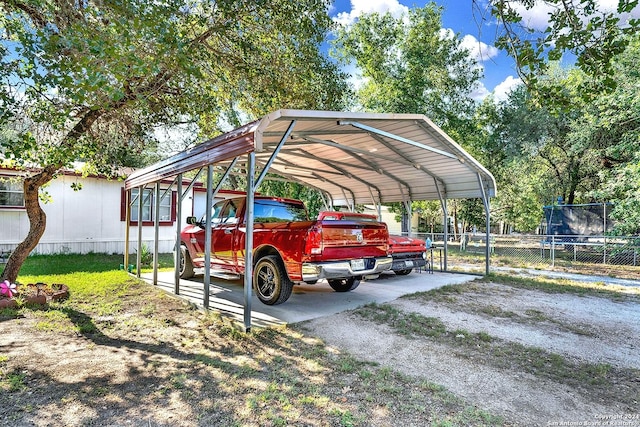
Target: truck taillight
(313,245)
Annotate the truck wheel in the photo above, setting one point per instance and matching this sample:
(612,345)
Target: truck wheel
(403,272)
(270,281)
(185,266)
(344,285)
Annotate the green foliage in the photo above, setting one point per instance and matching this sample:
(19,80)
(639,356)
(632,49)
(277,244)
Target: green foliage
(470,212)
(430,211)
(410,66)
(146,256)
(92,82)
(612,123)
(621,188)
(526,131)
(523,192)
(580,151)
(584,29)
(293,190)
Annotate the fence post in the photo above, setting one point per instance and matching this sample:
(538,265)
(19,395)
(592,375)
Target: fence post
(553,251)
(604,251)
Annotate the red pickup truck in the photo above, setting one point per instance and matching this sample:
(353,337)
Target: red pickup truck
(288,248)
(408,253)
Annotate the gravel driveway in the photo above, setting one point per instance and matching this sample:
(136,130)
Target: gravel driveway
(587,333)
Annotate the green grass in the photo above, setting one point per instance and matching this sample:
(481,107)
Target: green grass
(13,380)
(61,264)
(495,311)
(408,324)
(43,265)
(96,284)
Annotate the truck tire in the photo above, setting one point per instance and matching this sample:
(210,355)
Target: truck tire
(403,272)
(185,264)
(270,281)
(344,285)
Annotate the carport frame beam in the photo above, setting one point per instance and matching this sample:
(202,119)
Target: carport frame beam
(396,137)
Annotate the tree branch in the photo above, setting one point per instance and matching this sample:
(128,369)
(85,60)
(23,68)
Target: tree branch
(36,17)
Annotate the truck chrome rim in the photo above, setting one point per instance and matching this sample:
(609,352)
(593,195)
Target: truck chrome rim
(266,281)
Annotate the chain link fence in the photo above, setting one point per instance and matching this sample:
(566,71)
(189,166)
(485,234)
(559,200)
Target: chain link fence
(466,252)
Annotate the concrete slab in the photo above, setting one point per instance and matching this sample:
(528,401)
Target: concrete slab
(307,301)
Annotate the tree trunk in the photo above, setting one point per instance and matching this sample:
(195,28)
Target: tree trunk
(32,185)
(37,223)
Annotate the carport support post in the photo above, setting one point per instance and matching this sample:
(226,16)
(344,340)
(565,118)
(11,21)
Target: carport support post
(485,202)
(445,216)
(139,254)
(156,233)
(248,250)
(207,238)
(127,229)
(445,221)
(488,245)
(178,227)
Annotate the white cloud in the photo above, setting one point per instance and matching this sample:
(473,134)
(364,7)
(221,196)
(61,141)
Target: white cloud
(538,16)
(480,92)
(360,7)
(611,6)
(502,90)
(479,50)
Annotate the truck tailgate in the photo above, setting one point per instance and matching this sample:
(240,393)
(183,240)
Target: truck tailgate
(351,239)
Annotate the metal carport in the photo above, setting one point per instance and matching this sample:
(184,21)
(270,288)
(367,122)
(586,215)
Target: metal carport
(350,158)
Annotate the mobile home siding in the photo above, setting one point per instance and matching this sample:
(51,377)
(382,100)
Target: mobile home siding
(88,220)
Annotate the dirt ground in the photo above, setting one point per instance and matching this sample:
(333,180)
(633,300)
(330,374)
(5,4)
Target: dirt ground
(585,330)
(530,357)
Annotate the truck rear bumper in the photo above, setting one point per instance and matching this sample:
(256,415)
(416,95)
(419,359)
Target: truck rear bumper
(343,269)
(408,261)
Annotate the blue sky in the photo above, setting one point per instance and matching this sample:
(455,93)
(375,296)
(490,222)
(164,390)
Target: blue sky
(477,34)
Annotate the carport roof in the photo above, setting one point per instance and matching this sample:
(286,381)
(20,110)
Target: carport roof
(359,158)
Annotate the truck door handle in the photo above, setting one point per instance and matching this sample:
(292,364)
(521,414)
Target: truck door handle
(227,231)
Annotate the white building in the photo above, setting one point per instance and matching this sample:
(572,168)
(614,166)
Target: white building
(88,220)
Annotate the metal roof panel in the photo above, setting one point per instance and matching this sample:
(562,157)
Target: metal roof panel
(346,154)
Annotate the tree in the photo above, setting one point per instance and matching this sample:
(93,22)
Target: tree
(430,211)
(612,123)
(596,102)
(518,206)
(583,29)
(91,80)
(410,66)
(543,138)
